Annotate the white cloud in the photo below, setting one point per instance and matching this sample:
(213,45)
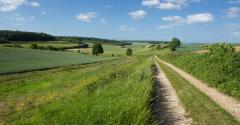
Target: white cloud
(190,19)
(165,27)
(176,20)
(150,2)
(126,28)
(86,17)
(35,4)
(138,14)
(169,6)
(10,5)
(233,12)
(200,18)
(235,34)
(234,1)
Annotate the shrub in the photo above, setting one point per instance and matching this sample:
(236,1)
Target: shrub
(220,67)
(129,52)
(97,49)
(34,46)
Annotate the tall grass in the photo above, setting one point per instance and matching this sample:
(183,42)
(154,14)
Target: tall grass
(118,95)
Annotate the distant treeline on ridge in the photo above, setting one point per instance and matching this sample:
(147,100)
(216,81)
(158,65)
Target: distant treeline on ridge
(7,36)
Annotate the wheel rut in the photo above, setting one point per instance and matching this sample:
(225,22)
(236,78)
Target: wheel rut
(166,107)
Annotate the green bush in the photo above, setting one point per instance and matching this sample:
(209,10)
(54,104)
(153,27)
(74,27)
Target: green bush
(34,46)
(129,52)
(220,67)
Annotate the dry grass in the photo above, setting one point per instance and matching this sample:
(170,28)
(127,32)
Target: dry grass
(238,48)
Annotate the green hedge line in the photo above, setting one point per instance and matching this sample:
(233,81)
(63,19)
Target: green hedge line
(220,67)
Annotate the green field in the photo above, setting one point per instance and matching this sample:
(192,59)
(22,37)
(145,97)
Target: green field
(14,60)
(119,50)
(188,47)
(56,87)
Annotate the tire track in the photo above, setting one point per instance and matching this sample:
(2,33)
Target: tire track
(166,107)
(226,102)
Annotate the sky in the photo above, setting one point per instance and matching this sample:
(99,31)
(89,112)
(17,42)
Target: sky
(191,21)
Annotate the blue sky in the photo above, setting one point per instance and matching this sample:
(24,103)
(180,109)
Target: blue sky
(189,20)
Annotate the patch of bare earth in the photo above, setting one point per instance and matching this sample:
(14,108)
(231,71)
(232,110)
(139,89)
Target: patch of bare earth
(238,48)
(166,108)
(228,103)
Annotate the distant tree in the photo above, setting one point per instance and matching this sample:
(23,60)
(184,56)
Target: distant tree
(129,52)
(34,46)
(97,49)
(159,47)
(174,44)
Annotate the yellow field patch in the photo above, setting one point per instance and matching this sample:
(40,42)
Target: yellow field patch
(238,48)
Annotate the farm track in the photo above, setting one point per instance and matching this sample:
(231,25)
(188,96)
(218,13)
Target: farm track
(228,103)
(167,108)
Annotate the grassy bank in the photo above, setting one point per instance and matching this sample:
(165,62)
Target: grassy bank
(116,92)
(200,107)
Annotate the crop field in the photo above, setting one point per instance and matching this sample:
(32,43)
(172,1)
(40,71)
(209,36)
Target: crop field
(113,92)
(13,60)
(119,50)
(190,47)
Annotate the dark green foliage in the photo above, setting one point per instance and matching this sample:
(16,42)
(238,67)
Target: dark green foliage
(34,46)
(6,36)
(174,44)
(97,49)
(129,52)
(13,45)
(159,47)
(220,67)
(17,46)
(93,40)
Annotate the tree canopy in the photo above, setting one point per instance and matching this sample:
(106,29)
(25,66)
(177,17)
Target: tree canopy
(97,49)
(174,44)
(6,36)
(129,52)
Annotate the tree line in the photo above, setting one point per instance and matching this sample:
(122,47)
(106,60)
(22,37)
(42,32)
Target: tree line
(8,36)
(92,40)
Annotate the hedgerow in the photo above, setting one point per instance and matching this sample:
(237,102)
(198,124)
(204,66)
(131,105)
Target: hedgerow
(220,67)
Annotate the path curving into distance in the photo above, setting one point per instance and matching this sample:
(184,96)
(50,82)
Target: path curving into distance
(166,106)
(228,103)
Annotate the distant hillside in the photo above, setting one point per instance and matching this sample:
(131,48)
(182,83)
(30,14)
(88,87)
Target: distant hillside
(92,40)
(8,36)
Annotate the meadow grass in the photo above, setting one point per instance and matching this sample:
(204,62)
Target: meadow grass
(13,60)
(119,50)
(201,108)
(115,92)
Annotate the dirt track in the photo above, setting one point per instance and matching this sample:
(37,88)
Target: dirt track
(228,103)
(166,106)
